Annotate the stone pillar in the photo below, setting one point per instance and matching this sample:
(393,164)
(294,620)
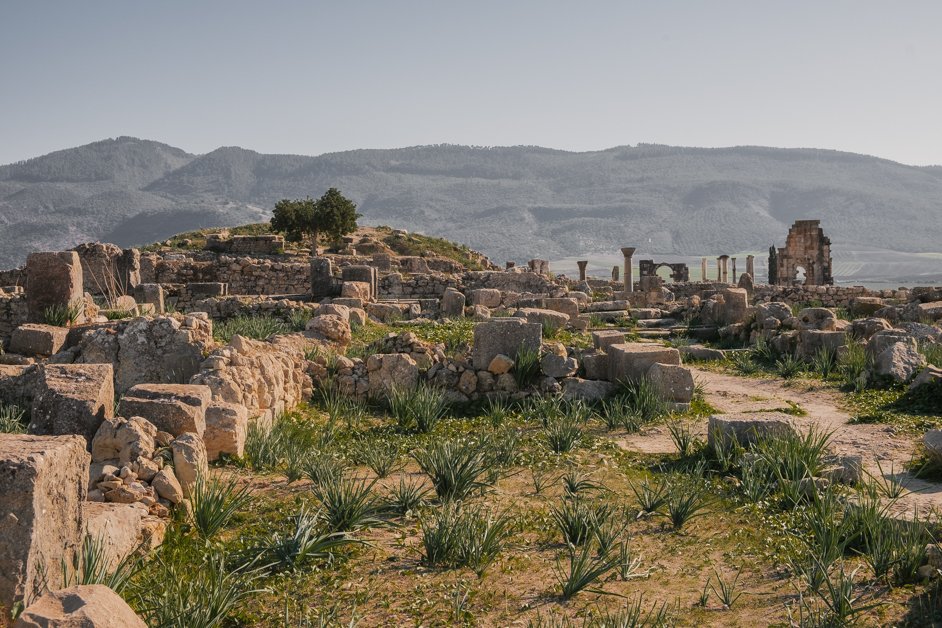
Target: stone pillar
(734,269)
(365,274)
(509,265)
(322,278)
(719,269)
(725,259)
(54,280)
(751,266)
(615,273)
(582,264)
(628,252)
(703,269)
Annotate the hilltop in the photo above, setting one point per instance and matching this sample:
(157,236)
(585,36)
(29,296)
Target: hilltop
(509,202)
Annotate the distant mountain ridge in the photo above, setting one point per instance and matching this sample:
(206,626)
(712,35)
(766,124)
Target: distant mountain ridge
(509,202)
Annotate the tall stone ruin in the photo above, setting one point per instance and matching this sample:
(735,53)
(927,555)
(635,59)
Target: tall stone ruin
(805,259)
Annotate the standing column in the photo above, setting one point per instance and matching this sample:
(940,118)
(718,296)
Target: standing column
(582,265)
(719,269)
(751,266)
(614,273)
(628,252)
(703,269)
(725,268)
(734,269)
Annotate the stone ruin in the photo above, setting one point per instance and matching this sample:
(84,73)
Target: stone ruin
(101,473)
(805,258)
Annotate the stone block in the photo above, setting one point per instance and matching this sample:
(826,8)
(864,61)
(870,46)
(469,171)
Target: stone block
(567,306)
(548,319)
(736,305)
(748,428)
(226,428)
(189,460)
(152,294)
(72,399)
(385,312)
(362,273)
(37,340)
(488,297)
(587,390)
(322,278)
(172,408)
(865,306)
(53,279)
(631,361)
(810,341)
(595,365)
(80,606)
(356,290)
(505,336)
(116,526)
(453,303)
(607,337)
(126,440)
(388,371)
(819,318)
(674,382)
(43,485)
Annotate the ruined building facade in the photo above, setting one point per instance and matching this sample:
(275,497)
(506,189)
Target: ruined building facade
(805,259)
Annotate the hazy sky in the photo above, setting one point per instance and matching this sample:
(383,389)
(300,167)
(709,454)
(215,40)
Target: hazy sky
(313,77)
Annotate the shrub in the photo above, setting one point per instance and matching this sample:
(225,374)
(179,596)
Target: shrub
(456,467)
(419,409)
(683,438)
(462,536)
(644,399)
(322,469)
(562,433)
(824,362)
(788,367)
(214,503)
(380,455)
(584,569)
(650,497)
(684,502)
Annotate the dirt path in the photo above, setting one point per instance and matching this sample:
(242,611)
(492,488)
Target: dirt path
(879,446)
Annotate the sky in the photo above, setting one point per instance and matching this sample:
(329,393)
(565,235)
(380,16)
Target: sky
(314,77)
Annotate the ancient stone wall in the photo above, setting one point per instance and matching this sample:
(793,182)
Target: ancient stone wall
(828,296)
(418,286)
(245,275)
(246,245)
(805,258)
(13,277)
(13,313)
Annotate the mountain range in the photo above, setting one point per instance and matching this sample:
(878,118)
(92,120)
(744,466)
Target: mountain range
(512,203)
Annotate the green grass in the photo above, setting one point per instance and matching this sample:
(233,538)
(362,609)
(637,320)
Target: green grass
(421,245)
(913,411)
(255,327)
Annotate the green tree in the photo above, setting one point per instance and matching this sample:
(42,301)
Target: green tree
(332,215)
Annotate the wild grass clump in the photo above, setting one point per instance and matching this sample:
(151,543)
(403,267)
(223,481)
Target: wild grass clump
(578,521)
(417,409)
(304,542)
(617,412)
(349,504)
(685,501)
(407,497)
(456,466)
(742,362)
(684,440)
(584,569)
(214,503)
(381,455)
(824,362)
(457,535)
(268,447)
(90,565)
(63,314)
(643,399)
(255,327)
(12,419)
(788,367)
(323,469)
(562,433)
(852,365)
(526,367)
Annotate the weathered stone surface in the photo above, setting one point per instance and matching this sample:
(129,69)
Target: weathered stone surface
(932,439)
(865,306)
(929,376)
(867,327)
(777,310)
(630,362)
(336,309)
(116,526)
(72,399)
(226,429)
(356,290)
(504,336)
(167,485)
(265,377)
(565,305)
(673,382)
(385,312)
(589,390)
(604,338)
(80,606)
(882,340)
(452,303)
(555,361)
(43,484)
(819,318)
(330,328)
(126,440)
(151,294)
(699,352)
(189,460)
(500,364)
(899,362)
(468,382)
(595,365)
(736,305)
(150,350)
(53,279)
(173,408)
(747,428)
(36,340)
(810,341)
(488,297)
(548,319)
(388,371)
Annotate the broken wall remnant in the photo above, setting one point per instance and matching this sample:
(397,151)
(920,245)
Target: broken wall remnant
(805,259)
(108,270)
(679,271)
(53,280)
